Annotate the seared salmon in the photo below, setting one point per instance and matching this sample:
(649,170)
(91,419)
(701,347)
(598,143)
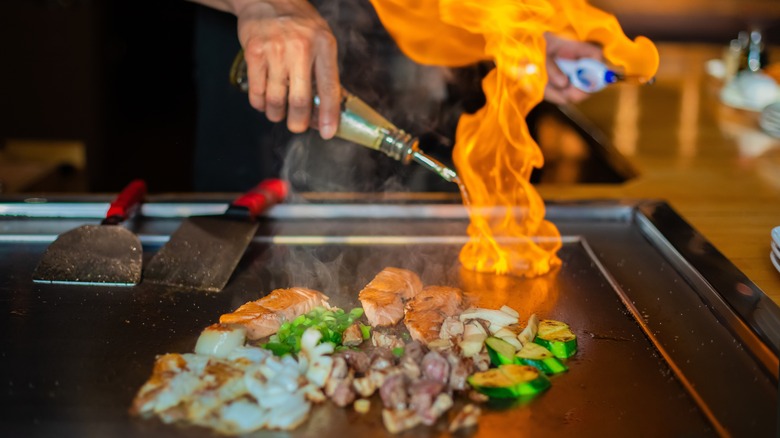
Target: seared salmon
(263,317)
(426,312)
(382,298)
(400,281)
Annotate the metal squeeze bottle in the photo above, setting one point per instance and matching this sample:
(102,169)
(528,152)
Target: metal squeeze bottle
(361,124)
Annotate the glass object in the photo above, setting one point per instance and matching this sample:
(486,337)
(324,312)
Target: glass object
(361,124)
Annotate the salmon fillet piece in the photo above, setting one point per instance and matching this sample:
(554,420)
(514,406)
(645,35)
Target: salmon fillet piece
(448,300)
(426,312)
(397,280)
(383,296)
(382,308)
(264,317)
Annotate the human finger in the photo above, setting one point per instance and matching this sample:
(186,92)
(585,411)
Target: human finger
(328,85)
(277,83)
(300,91)
(257,71)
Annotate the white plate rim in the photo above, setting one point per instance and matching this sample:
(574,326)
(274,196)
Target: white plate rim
(775,261)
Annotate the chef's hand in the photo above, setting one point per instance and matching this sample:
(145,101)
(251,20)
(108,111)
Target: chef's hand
(559,89)
(286,45)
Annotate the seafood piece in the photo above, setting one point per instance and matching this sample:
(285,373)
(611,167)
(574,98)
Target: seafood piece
(426,312)
(263,317)
(401,281)
(220,339)
(383,308)
(383,297)
(445,299)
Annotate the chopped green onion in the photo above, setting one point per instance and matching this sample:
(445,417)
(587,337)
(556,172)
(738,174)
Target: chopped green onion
(365,330)
(398,351)
(330,322)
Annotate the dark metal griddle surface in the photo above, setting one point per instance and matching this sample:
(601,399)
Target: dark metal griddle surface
(665,350)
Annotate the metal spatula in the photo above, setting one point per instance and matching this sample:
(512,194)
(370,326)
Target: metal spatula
(106,254)
(203,252)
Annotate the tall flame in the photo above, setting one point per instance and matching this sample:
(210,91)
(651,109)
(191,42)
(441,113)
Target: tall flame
(494,152)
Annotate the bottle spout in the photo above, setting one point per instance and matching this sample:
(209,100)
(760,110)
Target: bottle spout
(435,166)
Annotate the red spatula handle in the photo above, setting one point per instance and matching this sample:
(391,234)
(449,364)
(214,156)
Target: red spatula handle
(262,197)
(127,200)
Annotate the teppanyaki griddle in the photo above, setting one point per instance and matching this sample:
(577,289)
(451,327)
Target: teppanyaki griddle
(668,328)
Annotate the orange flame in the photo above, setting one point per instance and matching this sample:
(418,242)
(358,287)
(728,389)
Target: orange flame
(494,152)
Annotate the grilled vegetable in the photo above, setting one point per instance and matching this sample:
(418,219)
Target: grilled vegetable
(539,357)
(510,381)
(474,336)
(557,337)
(331,323)
(500,351)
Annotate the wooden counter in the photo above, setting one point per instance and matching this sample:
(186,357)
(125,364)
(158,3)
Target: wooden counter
(710,162)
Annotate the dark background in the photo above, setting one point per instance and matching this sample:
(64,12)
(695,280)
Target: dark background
(119,76)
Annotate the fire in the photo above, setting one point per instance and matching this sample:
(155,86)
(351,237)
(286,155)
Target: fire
(494,152)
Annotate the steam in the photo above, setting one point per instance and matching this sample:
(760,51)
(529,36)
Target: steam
(371,66)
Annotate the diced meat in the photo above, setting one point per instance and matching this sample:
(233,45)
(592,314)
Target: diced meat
(365,386)
(467,417)
(460,370)
(435,367)
(339,385)
(385,340)
(410,367)
(421,397)
(352,336)
(263,317)
(357,360)
(397,421)
(393,392)
(382,298)
(381,358)
(343,394)
(414,350)
(442,404)
(426,312)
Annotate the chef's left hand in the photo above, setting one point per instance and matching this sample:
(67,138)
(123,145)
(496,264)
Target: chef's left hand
(559,89)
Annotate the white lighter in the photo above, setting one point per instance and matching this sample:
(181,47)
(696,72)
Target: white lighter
(587,74)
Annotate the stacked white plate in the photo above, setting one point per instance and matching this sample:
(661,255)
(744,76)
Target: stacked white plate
(775,254)
(770,119)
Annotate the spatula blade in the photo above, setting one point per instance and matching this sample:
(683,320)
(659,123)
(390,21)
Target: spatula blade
(106,255)
(202,254)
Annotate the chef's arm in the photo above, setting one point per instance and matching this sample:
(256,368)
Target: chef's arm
(287,45)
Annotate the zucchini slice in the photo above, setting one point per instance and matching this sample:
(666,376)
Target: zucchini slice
(500,351)
(510,381)
(539,357)
(557,337)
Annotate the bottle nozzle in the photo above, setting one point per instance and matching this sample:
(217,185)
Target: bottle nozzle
(435,166)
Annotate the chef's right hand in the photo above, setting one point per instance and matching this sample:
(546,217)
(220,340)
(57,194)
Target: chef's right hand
(286,45)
